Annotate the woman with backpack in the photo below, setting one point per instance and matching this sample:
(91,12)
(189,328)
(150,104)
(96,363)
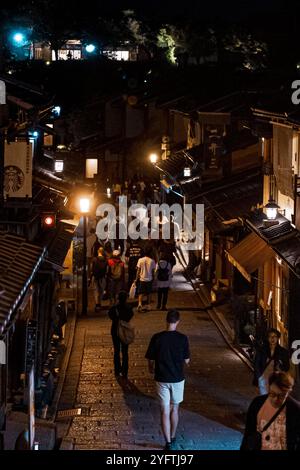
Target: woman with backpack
(163,280)
(99,270)
(115,276)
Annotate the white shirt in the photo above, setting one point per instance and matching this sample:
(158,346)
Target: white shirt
(146,266)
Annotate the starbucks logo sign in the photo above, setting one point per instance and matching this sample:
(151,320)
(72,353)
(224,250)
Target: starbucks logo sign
(13,179)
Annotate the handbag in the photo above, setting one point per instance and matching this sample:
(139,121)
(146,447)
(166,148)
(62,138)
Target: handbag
(254,440)
(125,330)
(132,290)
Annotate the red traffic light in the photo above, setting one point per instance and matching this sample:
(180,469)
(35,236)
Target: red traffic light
(48,220)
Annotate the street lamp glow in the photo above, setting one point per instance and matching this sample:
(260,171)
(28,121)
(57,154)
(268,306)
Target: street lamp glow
(271,209)
(153,157)
(18,38)
(90,48)
(84,204)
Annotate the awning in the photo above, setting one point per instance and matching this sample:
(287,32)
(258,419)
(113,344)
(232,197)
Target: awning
(248,255)
(19,261)
(59,247)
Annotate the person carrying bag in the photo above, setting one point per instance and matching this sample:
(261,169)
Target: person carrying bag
(122,333)
(125,330)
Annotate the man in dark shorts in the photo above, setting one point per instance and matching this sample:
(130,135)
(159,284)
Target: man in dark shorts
(167,353)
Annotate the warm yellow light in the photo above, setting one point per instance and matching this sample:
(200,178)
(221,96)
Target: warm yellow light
(153,157)
(84,204)
(91,167)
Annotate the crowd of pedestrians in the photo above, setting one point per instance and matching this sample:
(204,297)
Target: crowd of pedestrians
(119,267)
(138,190)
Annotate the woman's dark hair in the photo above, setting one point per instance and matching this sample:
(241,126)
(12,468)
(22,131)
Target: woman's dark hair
(283,380)
(108,247)
(273,330)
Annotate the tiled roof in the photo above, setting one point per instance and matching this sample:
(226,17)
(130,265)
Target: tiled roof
(271,232)
(230,200)
(282,237)
(60,245)
(19,260)
(174,165)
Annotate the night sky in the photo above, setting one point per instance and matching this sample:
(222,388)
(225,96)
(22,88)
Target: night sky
(172,10)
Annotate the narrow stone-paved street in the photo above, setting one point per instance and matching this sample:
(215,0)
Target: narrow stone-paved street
(118,416)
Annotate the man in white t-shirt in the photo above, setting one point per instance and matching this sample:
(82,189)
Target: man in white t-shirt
(145,275)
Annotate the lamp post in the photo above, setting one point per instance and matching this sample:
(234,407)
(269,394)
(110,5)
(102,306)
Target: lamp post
(84,203)
(271,209)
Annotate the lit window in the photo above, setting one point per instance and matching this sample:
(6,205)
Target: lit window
(91,168)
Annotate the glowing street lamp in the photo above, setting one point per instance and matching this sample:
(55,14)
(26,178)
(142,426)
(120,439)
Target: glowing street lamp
(271,209)
(19,38)
(153,157)
(90,48)
(84,204)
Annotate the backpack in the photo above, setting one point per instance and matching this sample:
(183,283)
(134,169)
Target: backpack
(116,270)
(99,267)
(163,273)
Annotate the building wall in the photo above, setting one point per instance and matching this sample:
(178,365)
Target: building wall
(179,128)
(245,158)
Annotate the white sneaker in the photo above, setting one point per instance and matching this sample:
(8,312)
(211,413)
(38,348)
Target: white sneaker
(139,308)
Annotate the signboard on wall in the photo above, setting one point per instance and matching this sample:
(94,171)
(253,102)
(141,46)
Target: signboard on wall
(31,408)
(2,352)
(18,169)
(2,92)
(31,345)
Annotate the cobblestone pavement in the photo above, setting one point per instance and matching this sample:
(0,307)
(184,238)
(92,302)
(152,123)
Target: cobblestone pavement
(118,416)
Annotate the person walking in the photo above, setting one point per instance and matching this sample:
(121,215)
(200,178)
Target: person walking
(163,281)
(92,246)
(167,353)
(145,275)
(115,276)
(133,253)
(167,249)
(99,271)
(273,419)
(122,311)
(269,358)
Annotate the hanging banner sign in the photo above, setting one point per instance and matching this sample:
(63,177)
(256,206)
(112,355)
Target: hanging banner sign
(2,92)
(31,409)
(18,170)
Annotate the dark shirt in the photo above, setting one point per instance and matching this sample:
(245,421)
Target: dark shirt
(134,253)
(168,349)
(263,356)
(125,313)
